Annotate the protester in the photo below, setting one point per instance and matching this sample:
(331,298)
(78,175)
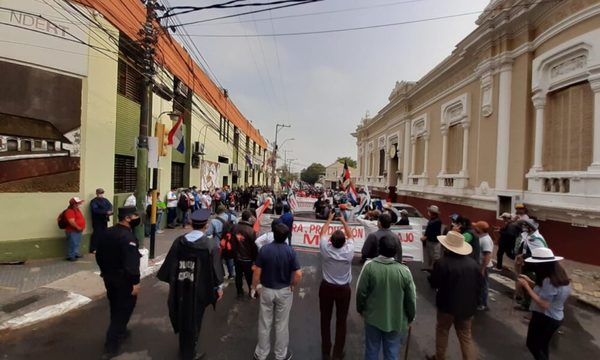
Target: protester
(267,238)
(370,248)
(457,279)
(130,201)
(390,210)
(74,228)
(195,276)
(245,252)
(288,219)
(369,221)
(464,226)
(278,272)
(487,246)
(172,208)
(403,218)
(118,258)
(386,299)
(336,258)
(530,239)
(205,200)
(183,203)
(430,237)
(509,232)
(522,213)
(101,211)
(550,291)
(218,229)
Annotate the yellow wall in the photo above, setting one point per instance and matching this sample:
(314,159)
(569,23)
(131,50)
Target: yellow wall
(33,215)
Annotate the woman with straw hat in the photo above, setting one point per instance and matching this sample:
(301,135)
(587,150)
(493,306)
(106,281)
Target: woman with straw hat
(548,292)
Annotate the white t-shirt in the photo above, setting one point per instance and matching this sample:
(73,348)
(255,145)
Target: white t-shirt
(171,199)
(487,245)
(130,201)
(264,239)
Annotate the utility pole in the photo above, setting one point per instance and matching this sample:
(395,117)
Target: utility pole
(277,128)
(149,39)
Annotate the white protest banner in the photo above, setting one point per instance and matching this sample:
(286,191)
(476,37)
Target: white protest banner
(306,234)
(305,204)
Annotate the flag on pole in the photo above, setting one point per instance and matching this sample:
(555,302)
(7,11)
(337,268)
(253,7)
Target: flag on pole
(345,178)
(292,202)
(176,135)
(348,186)
(365,200)
(259,214)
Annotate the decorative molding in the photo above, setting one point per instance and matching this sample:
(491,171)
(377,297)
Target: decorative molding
(419,127)
(381,142)
(487,94)
(572,20)
(568,66)
(370,147)
(455,111)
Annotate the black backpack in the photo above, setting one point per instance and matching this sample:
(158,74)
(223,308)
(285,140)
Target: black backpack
(183,203)
(62,220)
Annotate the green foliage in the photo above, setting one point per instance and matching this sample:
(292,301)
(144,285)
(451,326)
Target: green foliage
(311,174)
(351,163)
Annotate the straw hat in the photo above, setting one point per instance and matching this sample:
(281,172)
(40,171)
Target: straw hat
(506,215)
(541,255)
(455,242)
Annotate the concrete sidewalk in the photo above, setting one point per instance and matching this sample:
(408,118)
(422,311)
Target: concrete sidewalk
(43,289)
(585,280)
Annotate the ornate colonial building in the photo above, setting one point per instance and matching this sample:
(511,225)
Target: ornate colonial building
(512,115)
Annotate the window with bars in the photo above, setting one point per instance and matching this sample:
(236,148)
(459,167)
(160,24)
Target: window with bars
(381,162)
(177,175)
(568,129)
(419,156)
(455,149)
(130,82)
(125,174)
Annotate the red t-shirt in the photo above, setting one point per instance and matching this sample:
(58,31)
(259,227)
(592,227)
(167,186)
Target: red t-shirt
(79,219)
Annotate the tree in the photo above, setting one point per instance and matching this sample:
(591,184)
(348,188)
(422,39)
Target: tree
(311,174)
(351,163)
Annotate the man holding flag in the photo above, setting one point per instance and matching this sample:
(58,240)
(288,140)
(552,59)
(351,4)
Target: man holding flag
(348,186)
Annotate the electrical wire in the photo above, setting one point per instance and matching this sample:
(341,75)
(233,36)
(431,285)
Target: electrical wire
(227,5)
(358,28)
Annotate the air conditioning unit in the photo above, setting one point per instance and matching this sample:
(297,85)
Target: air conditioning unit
(198,148)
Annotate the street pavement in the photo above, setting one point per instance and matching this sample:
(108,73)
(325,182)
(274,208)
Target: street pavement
(229,332)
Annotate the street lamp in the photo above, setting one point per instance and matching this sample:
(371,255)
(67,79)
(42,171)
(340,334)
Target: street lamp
(277,128)
(286,140)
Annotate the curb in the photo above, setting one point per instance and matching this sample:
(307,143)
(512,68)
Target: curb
(74,301)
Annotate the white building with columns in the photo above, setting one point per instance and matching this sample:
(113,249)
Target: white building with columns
(511,116)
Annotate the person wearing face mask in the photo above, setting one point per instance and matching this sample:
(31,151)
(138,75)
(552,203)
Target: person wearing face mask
(119,260)
(101,211)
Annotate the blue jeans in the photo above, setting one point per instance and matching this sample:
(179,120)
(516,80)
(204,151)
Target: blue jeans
(484,292)
(375,338)
(73,241)
(230,267)
(158,219)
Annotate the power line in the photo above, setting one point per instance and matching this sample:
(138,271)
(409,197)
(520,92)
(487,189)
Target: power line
(322,12)
(226,5)
(376,26)
(249,12)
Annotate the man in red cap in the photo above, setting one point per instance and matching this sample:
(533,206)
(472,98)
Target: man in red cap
(74,229)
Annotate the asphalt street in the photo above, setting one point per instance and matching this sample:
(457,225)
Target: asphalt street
(229,332)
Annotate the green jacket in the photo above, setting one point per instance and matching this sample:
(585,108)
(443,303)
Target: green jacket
(385,295)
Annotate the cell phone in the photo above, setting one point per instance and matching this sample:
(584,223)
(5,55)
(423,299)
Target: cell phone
(337,212)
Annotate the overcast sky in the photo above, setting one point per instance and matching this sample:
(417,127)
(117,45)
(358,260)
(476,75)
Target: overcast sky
(323,84)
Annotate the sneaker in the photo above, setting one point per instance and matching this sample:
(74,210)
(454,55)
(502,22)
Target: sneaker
(160,231)
(71,259)
(78,256)
(289,356)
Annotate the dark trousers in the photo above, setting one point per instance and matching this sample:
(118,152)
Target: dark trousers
(330,294)
(243,269)
(99,228)
(122,303)
(171,216)
(504,247)
(188,334)
(540,331)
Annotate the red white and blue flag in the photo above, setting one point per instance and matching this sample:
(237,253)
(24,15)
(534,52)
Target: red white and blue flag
(259,214)
(176,135)
(348,186)
(292,202)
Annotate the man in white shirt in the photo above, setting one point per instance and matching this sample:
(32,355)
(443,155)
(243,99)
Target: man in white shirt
(369,222)
(267,238)
(171,208)
(487,246)
(337,253)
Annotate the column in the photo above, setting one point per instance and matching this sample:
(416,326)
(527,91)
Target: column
(406,152)
(465,152)
(595,84)
(539,101)
(413,160)
(503,139)
(426,157)
(444,131)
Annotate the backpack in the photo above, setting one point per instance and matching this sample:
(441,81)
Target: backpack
(62,220)
(182,203)
(226,239)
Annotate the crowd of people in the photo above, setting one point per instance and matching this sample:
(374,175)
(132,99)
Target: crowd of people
(225,243)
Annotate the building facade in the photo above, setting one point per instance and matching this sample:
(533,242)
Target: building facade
(70,115)
(333,175)
(511,116)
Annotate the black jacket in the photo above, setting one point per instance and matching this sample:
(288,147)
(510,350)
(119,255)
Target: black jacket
(193,271)
(433,229)
(244,244)
(457,279)
(370,248)
(117,254)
